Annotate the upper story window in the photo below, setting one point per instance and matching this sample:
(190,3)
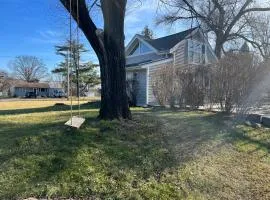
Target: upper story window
(135,50)
(196,52)
(139,48)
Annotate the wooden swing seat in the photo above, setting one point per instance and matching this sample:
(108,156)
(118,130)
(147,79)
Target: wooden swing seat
(75,122)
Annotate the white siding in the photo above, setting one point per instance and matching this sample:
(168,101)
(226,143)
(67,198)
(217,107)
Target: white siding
(180,54)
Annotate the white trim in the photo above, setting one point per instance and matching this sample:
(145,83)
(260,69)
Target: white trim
(156,63)
(147,85)
(133,68)
(131,42)
(132,56)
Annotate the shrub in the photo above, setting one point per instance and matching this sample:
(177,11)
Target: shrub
(163,85)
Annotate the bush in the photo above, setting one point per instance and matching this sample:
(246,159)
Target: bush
(233,83)
(172,85)
(164,86)
(191,85)
(232,80)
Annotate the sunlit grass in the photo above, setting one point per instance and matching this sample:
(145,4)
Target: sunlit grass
(34,104)
(160,154)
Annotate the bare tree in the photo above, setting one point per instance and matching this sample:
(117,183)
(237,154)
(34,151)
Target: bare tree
(3,81)
(28,68)
(108,45)
(260,34)
(226,19)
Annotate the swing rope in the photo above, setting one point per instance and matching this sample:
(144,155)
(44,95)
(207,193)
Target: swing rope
(69,61)
(74,61)
(78,60)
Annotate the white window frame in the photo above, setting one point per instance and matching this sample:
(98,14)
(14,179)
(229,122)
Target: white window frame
(140,52)
(202,55)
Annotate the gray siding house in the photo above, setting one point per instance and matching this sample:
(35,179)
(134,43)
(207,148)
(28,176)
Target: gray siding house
(19,88)
(145,56)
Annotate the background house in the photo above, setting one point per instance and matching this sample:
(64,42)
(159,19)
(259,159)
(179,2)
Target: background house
(55,87)
(145,56)
(19,88)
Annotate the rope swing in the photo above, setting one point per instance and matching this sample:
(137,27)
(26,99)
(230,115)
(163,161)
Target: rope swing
(74,121)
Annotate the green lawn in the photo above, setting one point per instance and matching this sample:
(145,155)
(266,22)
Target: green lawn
(159,155)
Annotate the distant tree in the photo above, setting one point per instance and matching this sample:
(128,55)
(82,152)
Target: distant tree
(147,32)
(81,74)
(227,20)
(28,68)
(74,50)
(3,81)
(88,76)
(260,34)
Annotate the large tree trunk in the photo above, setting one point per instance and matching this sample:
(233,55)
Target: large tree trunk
(115,101)
(110,50)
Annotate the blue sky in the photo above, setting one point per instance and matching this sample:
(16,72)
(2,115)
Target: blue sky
(34,27)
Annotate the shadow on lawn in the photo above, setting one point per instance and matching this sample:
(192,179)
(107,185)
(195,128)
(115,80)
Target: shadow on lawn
(193,134)
(103,157)
(46,156)
(89,105)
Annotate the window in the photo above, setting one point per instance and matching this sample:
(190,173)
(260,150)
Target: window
(144,48)
(129,75)
(140,48)
(135,50)
(42,89)
(196,52)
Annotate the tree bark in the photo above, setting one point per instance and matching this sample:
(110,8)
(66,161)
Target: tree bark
(110,50)
(218,49)
(116,101)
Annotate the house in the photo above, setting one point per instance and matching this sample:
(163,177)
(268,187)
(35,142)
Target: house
(19,88)
(145,56)
(93,91)
(55,87)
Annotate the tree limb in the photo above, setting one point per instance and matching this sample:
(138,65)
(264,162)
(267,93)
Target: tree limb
(88,27)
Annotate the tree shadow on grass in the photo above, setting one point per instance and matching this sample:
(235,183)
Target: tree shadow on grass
(251,139)
(104,158)
(48,159)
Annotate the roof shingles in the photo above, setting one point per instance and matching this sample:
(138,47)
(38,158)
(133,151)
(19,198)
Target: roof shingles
(162,45)
(168,42)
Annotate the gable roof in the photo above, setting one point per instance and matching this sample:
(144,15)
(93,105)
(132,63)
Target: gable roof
(168,42)
(24,84)
(162,43)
